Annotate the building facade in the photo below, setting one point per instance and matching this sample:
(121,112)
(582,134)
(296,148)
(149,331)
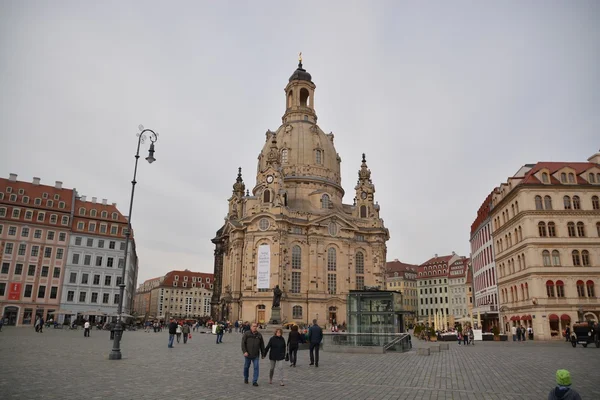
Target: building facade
(35,224)
(401,277)
(485,278)
(143,299)
(459,290)
(182,295)
(96,259)
(293,230)
(546,229)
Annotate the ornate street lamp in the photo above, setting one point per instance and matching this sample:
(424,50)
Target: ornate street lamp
(115,354)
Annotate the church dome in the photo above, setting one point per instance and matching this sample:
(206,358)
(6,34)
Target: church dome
(300,74)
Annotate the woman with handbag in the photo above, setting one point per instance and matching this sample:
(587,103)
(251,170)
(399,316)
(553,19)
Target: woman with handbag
(294,339)
(276,349)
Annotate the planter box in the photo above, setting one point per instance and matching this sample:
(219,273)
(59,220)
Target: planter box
(487,338)
(503,338)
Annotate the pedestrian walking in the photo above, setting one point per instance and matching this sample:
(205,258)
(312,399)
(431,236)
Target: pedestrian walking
(36,325)
(220,330)
(471,337)
(563,390)
(277,350)
(294,340)
(513,330)
(178,333)
(86,329)
(185,330)
(253,346)
(315,336)
(172,332)
(41,328)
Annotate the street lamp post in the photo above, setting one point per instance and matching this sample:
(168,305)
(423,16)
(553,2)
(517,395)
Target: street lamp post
(115,354)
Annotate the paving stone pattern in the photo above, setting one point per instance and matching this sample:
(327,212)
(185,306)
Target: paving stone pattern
(62,364)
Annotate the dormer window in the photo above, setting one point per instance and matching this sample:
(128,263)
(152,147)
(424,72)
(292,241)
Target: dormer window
(571,177)
(115,216)
(45,195)
(81,211)
(93,213)
(325,202)
(591,178)
(563,177)
(545,178)
(104,214)
(25,200)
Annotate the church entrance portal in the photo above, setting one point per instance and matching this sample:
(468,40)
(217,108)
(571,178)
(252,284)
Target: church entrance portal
(333,315)
(260,313)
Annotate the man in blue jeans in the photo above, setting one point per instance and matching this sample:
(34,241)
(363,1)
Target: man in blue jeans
(172,332)
(253,346)
(315,336)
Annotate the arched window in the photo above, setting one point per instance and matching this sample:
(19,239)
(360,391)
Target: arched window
(527,289)
(267,196)
(560,289)
(115,216)
(290,98)
(325,201)
(512,294)
(509,239)
(571,229)
(517,206)
(542,229)
(104,214)
(296,257)
(591,178)
(331,259)
(598,228)
(523,259)
(576,203)
(590,288)
(551,229)
(81,211)
(548,202)
(571,177)
(563,177)
(520,234)
(580,289)
(284,156)
(512,206)
(595,203)
(297,312)
(522,292)
(538,203)
(546,258)
(318,156)
(585,258)
(93,213)
(519,262)
(360,262)
(576,258)
(567,202)
(555,258)
(363,211)
(545,177)
(580,229)
(516,236)
(550,288)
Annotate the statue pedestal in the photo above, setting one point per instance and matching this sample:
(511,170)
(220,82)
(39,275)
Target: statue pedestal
(275,316)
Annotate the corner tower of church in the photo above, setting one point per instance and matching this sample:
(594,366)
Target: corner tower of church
(293,230)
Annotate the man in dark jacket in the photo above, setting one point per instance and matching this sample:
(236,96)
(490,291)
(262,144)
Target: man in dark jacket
(253,346)
(172,332)
(315,335)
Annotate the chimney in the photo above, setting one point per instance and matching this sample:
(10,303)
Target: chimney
(114,204)
(595,158)
(83,198)
(58,185)
(94,200)
(453,253)
(396,260)
(104,201)
(12,177)
(435,255)
(36,181)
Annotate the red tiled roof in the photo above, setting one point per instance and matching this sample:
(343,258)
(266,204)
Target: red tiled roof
(434,260)
(170,278)
(483,213)
(400,267)
(88,206)
(37,192)
(438,266)
(552,167)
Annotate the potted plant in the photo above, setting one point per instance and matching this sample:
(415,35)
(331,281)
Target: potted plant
(432,335)
(496,332)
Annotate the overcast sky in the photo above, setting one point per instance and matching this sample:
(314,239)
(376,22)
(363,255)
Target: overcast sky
(447,100)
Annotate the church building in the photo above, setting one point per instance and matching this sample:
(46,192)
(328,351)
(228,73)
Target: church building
(292,229)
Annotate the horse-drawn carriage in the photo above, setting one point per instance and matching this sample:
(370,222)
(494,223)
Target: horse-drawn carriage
(585,333)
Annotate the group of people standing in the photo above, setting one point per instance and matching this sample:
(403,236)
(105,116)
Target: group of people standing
(467,337)
(178,330)
(279,351)
(519,333)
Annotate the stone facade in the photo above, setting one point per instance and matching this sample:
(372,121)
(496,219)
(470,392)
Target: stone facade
(546,225)
(313,246)
(182,295)
(401,277)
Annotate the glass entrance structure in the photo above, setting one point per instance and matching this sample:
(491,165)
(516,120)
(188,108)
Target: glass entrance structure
(375,311)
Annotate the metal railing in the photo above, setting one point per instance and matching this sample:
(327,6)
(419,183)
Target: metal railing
(399,342)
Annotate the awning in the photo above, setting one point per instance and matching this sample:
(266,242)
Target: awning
(553,317)
(565,317)
(526,318)
(515,318)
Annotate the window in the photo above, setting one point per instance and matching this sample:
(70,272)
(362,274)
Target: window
(116,299)
(45,270)
(590,288)
(542,229)
(360,262)
(567,202)
(122,245)
(41,292)
(551,229)
(92,227)
(563,177)
(571,177)
(325,201)
(93,213)
(73,277)
(576,203)
(363,211)
(296,282)
(2,211)
(114,230)
(16,213)
(81,211)
(121,263)
(549,289)
(12,231)
(82,296)
(70,295)
(19,269)
(61,204)
(47,252)
(595,203)
(2,288)
(37,234)
(87,259)
(109,261)
(56,272)
(38,202)
(84,279)
(538,203)
(546,258)
(296,257)
(90,243)
(545,177)
(53,292)
(29,215)
(571,229)
(555,257)
(22,249)
(284,156)
(360,282)
(580,289)
(64,220)
(267,196)
(114,216)
(101,243)
(297,312)
(98,261)
(5,268)
(75,259)
(105,298)
(548,202)
(59,254)
(263,224)
(78,241)
(585,258)
(8,248)
(53,218)
(107,280)
(103,228)
(331,283)
(318,156)
(104,214)
(28,291)
(31,270)
(35,251)
(40,217)
(120,280)
(94,297)
(576,258)
(560,289)
(62,237)
(580,229)
(111,244)
(331,259)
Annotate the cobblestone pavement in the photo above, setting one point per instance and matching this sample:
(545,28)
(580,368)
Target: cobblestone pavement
(62,364)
